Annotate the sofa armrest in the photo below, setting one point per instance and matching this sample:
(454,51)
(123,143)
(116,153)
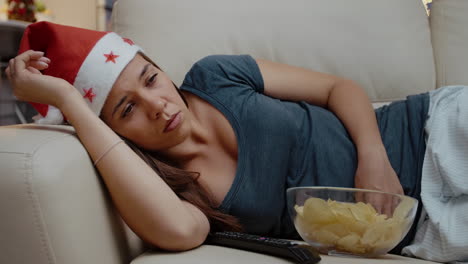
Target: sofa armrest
(54,206)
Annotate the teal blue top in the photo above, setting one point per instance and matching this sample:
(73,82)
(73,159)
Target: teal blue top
(283,144)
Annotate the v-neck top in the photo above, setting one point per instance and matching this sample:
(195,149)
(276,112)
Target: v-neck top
(284,144)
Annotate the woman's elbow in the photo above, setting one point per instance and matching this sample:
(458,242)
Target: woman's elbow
(180,240)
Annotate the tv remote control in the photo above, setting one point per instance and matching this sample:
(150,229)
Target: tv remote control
(298,252)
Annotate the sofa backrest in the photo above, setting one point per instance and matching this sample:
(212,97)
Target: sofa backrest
(383,45)
(449,23)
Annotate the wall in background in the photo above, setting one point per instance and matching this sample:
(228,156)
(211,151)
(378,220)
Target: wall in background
(80,13)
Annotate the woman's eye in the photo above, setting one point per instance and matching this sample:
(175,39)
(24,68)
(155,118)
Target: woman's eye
(128,109)
(151,79)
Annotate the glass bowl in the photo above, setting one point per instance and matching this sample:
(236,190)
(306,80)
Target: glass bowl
(348,221)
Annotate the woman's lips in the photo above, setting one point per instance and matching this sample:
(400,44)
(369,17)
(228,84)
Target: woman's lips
(173,122)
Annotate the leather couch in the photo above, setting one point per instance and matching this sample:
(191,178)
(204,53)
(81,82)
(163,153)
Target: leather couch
(55,208)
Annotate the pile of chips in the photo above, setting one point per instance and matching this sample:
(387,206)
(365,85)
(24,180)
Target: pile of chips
(355,228)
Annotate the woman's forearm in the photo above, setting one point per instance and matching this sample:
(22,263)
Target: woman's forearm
(352,106)
(374,170)
(144,200)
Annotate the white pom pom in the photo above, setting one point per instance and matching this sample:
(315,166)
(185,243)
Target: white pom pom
(53,117)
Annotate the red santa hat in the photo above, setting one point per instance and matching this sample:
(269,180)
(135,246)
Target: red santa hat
(89,60)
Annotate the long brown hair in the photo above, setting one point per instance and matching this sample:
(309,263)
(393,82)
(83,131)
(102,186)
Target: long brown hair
(185,183)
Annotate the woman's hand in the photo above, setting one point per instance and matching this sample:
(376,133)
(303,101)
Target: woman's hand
(30,85)
(375,172)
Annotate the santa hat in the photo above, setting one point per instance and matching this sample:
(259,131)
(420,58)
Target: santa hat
(89,60)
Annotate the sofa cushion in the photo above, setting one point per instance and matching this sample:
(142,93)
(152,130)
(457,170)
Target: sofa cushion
(384,45)
(221,255)
(449,37)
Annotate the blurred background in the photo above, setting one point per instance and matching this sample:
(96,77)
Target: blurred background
(15,15)
(91,14)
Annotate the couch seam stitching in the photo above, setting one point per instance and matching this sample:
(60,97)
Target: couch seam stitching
(43,142)
(47,140)
(37,215)
(444,71)
(443,61)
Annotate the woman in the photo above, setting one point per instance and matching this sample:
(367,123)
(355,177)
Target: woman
(235,136)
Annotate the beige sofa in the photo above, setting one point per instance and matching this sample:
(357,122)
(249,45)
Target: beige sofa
(54,207)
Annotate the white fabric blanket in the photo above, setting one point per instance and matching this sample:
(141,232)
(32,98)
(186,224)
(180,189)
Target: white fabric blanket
(442,233)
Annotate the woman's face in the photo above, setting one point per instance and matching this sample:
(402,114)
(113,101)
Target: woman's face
(145,107)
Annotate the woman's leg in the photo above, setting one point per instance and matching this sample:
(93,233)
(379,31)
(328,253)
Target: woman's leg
(443,236)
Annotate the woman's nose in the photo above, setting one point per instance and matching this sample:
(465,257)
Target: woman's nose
(155,107)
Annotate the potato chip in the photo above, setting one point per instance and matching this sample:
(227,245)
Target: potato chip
(354,225)
(388,242)
(374,233)
(337,229)
(350,243)
(317,211)
(299,210)
(304,227)
(363,212)
(340,210)
(403,208)
(325,237)
(380,217)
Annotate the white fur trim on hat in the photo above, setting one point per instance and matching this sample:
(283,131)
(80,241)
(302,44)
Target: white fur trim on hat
(102,67)
(54,117)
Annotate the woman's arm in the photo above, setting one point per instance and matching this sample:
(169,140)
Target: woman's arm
(350,104)
(343,97)
(144,200)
